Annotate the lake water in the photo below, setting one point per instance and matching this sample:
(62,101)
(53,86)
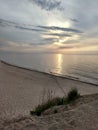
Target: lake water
(83,67)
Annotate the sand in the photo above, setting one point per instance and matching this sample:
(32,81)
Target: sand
(22,89)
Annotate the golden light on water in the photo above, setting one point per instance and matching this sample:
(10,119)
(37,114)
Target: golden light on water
(59,63)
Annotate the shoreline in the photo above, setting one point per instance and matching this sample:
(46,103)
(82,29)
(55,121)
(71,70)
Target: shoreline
(46,73)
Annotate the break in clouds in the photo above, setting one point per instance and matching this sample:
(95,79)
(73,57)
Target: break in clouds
(48,25)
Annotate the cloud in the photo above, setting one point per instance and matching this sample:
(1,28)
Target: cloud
(65,47)
(48,4)
(11,46)
(41,29)
(50,39)
(42,23)
(71,41)
(60,28)
(5,23)
(74,20)
(45,41)
(58,34)
(43,34)
(86,13)
(28,29)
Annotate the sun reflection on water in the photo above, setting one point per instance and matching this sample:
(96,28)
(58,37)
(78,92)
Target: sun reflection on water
(59,63)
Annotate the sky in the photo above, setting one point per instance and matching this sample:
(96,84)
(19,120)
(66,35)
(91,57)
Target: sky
(51,26)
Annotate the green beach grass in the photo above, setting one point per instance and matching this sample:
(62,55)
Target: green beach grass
(71,97)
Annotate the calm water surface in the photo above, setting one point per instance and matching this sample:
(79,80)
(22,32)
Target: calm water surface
(84,67)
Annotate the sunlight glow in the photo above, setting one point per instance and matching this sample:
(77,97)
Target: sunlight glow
(66,24)
(58,44)
(59,63)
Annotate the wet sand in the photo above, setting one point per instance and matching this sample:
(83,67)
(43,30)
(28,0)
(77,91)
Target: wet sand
(22,89)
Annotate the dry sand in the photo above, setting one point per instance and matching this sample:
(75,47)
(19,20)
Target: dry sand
(22,89)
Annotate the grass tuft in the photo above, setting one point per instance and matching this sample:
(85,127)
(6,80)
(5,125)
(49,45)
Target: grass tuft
(49,104)
(72,96)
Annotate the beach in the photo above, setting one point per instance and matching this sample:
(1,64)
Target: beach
(22,89)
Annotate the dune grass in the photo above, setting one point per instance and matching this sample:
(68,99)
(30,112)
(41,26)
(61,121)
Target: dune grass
(71,97)
(50,103)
